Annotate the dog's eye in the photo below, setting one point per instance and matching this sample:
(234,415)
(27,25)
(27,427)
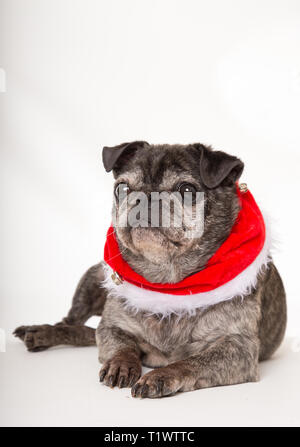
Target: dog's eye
(188,188)
(121,191)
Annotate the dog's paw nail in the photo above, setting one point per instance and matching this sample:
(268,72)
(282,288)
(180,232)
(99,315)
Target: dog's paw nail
(111,381)
(102,375)
(144,390)
(131,382)
(121,382)
(133,379)
(159,387)
(135,390)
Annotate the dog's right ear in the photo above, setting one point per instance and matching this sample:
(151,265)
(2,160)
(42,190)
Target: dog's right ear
(111,155)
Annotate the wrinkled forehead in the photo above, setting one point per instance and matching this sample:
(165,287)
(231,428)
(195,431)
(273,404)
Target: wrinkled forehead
(161,167)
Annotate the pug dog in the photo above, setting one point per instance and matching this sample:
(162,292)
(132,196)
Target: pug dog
(217,343)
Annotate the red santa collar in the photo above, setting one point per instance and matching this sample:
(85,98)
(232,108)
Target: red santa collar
(231,271)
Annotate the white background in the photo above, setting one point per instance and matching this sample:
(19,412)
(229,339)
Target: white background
(84,74)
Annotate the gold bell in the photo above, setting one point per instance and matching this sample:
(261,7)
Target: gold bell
(243,187)
(116,278)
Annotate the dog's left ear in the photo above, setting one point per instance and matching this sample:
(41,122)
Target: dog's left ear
(111,155)
(217,167)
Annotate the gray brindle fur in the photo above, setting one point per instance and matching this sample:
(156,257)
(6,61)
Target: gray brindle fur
(219,345)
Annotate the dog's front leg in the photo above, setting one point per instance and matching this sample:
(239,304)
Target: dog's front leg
(120,355)
(230,360)
(40,337)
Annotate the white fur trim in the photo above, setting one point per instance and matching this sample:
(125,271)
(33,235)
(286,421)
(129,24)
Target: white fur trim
(139,299)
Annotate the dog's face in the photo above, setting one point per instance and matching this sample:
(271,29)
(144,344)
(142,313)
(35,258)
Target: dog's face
(173,205)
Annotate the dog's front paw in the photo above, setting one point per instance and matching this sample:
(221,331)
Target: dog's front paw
(36,338)
(157,383)
(122,370)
